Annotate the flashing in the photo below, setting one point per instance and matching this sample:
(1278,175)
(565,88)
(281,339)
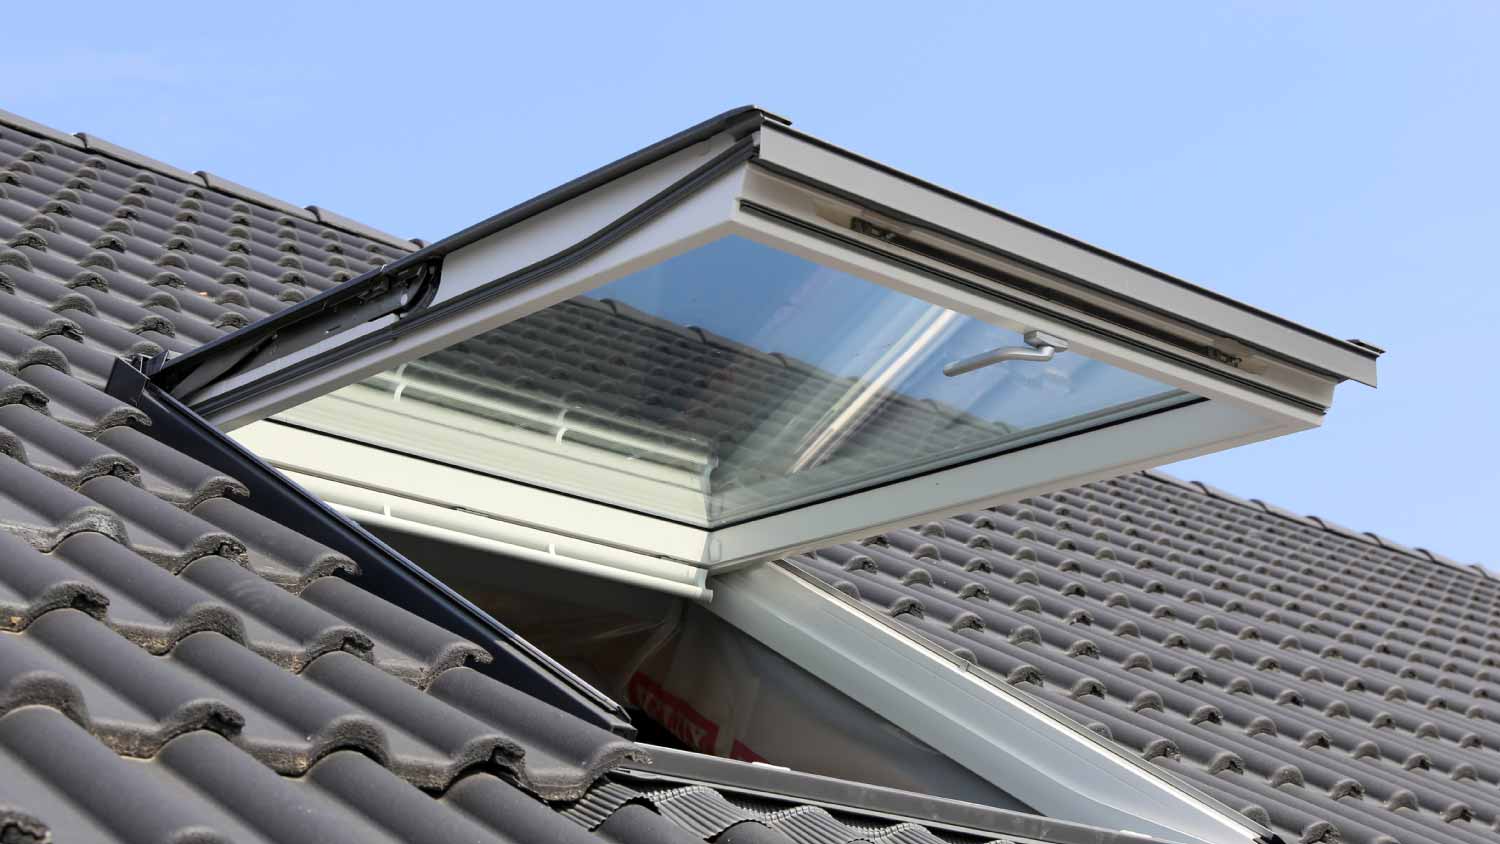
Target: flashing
(876,804)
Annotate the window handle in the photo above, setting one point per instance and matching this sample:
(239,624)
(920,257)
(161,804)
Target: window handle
(1040,346)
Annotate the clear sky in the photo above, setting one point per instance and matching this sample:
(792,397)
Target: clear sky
(1334,163)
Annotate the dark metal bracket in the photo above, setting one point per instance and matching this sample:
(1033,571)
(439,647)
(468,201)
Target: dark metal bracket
(403,287)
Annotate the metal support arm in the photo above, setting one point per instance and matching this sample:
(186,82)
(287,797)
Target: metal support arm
(1039,346)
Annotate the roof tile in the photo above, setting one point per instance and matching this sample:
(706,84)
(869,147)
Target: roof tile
(239,191)
(95,144)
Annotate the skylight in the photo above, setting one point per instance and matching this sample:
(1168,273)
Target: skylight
(743,342)
(729,382)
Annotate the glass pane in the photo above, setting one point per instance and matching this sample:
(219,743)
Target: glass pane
(726,383)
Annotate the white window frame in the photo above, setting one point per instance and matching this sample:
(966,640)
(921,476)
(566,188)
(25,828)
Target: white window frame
(799,195)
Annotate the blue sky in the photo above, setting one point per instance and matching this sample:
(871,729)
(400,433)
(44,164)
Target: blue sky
(1335,163)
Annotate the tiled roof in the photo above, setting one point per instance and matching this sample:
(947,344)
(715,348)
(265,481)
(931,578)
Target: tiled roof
(1319,680)
(178,667)
(175,666)
(168,652)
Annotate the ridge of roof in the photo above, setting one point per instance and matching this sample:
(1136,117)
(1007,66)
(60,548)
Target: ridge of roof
(202,178)
(1318,522)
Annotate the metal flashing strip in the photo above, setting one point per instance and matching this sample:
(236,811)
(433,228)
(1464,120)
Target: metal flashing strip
(384,572)
(869,803)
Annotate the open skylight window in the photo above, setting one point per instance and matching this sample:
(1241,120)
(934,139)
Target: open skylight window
(743,342)
(730,382)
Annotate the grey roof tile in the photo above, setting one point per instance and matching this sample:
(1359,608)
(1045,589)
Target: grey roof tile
(145,603)
(32,584)
(44,512)
(19,350)
(275,552)
(405,645)
(14,390)
(405,812)
(85,360)
(161,532)
(47,756)
(131,700)
(559,749)
(167,473)
(60,453)
(78,405)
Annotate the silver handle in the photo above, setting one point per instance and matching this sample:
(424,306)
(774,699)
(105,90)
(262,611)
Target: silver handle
(1040,346)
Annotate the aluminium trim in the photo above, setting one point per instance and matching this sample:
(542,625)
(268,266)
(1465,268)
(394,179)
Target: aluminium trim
(878,804)
(784,150)
(1164,354)
(739,123)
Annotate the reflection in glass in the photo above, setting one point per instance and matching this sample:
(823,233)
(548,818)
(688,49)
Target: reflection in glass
(729,382)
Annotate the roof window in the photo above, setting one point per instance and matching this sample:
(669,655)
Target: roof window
(744,342)
(730,382)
